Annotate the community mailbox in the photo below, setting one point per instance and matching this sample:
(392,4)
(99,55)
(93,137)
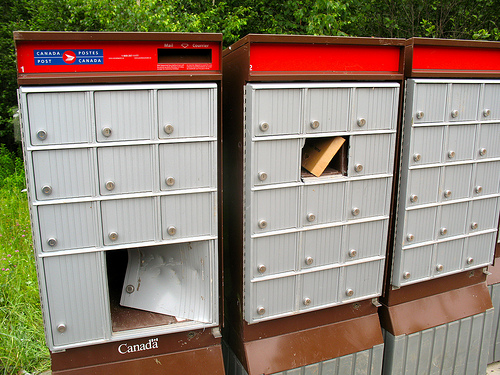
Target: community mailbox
(120,134)
(307,248)
(447,220)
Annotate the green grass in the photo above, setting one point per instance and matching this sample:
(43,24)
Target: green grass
(22,341)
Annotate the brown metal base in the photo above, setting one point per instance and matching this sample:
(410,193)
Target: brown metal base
(434,310)
(195,352)
(269,354)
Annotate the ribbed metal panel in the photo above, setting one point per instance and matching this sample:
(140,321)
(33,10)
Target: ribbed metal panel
(426,142)
(275,253)
(322,245)
(370,196)
(127,113)
(129,168)
(488,177)
(484,212)
(424,184)
(64,116)
(75,297)
(488,139)
(328,106)
(319,288)
(66,172)
(375,153)
(460,143)
(131,219)
(494,352)
(368,239)
(324,201)
(429,98)
(279,159)
(171,279)
(189,214)
(279,108)
(464,98)
(491,101)
(453,180)
(459,347)
(366,362)
(275,296)
(452,220)
(378,106)
(420,223)
(364,279)
(449,255)
(191,165)
(480,249)
(191,112)
(278,207)
(72,225)
(415,265)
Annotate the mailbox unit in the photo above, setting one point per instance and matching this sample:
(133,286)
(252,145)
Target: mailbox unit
(447,219)
(120,134)
(307,253)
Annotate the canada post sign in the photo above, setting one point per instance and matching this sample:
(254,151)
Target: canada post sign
(68,56)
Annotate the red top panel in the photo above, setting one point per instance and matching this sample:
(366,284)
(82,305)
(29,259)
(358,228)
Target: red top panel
(324,58)
(458,59)
(116,56)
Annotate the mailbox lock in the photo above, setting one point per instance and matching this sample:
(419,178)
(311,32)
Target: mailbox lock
(264,126)
(171,230)
(355,211)
(439,267)
(110,185)
(311,217)
(307,301)
(130,289)
(262,176)
(474,225)
(42,135)
(482,151)
(52,242)
(262,268)
(451,154)
(417,157)
(358,167)
(486,113)
(353,253)
(361,122)
(443,231)
(315,124)
(447,193)
(47,189)
(106,131)
(169,129)
(406,275)
(309,261)
(413,198)
(113,236)
(420,115)
(478,189)
(170,181)
(61,328)
(262,224)
(410,237)
(349,292)
(454,113)
(470,260)
(261,310)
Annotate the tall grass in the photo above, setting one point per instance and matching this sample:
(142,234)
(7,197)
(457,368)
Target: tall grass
(22,341)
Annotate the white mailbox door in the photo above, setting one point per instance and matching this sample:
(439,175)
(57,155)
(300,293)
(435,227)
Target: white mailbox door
(276,161)
(275,209)
(364,240)
(464,101)
(361,280)
(272,297)
(425,147)
(274,254)
(375,108)
(429,102)
(321,247)
(327,110)
(319,208)
(371,154)
(319,288)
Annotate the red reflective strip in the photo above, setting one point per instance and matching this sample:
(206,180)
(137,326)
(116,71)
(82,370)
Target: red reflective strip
(455,58)
(136,56)
(270,57)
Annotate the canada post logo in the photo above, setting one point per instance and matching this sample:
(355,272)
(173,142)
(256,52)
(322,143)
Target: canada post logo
(69,56)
